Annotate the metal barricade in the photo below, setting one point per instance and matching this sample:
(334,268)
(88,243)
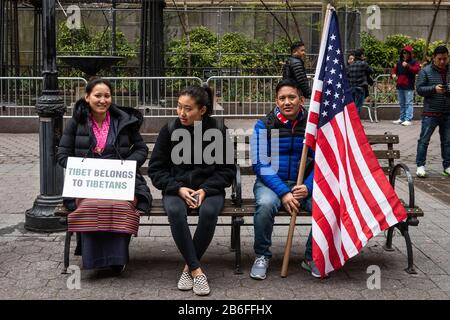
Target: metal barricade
(244,96)
(235,96)
(19,95)
(153,96)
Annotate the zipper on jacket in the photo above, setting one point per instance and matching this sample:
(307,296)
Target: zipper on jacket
(290,154)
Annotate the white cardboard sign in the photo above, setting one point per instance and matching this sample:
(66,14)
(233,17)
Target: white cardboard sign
(99,178)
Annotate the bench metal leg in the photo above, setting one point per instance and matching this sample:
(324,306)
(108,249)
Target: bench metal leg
(233,235)
(388,246)
(237,235)
(67,252)
(404,229)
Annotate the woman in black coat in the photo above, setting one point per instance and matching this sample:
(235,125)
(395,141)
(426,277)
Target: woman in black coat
(190,176)
(100,129)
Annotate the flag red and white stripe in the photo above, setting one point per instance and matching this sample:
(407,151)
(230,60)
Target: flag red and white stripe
(352,198)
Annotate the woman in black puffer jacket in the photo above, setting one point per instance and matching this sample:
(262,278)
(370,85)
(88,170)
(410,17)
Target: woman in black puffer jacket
(100,129)
(191,176)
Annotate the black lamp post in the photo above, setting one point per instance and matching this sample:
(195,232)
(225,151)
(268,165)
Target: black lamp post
(50,108)
(152,47)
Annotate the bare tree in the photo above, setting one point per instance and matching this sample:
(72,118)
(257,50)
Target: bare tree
(277,20)
(430,32)
(186,30)
(295,19)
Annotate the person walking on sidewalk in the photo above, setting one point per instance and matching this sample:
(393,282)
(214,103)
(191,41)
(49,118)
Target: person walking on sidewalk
(281,135)
(358,73)
(433,84)
(294,68)
(189,182)
(404,73)
(101,129)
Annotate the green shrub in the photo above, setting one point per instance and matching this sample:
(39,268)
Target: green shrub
(85,42)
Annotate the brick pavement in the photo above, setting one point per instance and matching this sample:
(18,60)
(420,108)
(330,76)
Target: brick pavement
(30,263)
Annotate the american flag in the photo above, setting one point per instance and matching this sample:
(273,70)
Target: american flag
(352,198)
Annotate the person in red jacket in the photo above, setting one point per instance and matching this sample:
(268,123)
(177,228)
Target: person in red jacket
(405,73)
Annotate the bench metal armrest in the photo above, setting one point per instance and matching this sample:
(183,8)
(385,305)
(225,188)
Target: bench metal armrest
(236,188)
(395,172)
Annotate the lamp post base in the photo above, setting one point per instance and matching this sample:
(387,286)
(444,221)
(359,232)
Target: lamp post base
(41,218)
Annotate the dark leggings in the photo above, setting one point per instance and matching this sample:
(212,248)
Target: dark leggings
(193,248)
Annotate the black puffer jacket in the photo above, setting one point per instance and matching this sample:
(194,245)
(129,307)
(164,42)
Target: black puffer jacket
(295,70)
(170,177)
(79,140)
(429,77)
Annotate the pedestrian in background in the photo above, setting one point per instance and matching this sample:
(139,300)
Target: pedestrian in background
(404,73)
(357,74)
(350,58)
(433,85)
(294,68)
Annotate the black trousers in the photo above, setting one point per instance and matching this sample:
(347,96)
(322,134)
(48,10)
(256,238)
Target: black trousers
(193,248)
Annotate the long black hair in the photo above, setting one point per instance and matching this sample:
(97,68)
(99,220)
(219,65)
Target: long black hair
(202,95)
(81,109)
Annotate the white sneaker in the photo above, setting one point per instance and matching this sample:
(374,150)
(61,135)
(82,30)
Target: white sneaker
(446,172)
(406,123)
(421,172)
(397,121)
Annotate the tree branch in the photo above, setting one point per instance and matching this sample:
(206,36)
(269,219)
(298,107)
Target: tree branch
(276,19)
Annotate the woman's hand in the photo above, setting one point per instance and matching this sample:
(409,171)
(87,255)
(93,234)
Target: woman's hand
(201,196)
(187,195)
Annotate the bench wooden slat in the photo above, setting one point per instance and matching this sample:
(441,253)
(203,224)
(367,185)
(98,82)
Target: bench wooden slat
(372,138)
(382,138)
(387,154)
(247,209)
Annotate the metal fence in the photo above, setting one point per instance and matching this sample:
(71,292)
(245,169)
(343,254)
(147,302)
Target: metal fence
(244,96)
(154,96)
(235,96)
(384,93)
(19,95)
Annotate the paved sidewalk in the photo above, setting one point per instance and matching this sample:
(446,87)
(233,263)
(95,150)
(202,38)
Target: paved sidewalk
(31,263)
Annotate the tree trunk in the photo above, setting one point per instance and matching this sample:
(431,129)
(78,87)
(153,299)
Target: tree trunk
(297,27)
(430,33)
(277,20)
(188,40)
(185,26)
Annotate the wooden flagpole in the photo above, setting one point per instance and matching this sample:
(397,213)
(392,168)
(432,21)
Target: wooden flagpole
(287,249)
(301,173)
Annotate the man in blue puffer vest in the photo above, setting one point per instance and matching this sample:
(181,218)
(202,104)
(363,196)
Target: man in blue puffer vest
(280,135)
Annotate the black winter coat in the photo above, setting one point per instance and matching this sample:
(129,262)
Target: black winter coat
(295,70)
(79,140)
(169,177)
(426,83)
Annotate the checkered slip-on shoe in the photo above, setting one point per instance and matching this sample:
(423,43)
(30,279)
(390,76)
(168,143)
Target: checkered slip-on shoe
(201,286)
(186,282)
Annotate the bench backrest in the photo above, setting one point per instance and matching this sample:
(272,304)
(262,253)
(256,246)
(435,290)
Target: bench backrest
(382,145)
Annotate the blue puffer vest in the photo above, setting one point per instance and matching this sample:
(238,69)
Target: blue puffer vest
(290,144)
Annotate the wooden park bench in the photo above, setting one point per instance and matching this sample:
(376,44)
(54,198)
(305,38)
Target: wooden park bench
(239,207)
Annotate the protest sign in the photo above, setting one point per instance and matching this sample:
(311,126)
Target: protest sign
(99,178)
